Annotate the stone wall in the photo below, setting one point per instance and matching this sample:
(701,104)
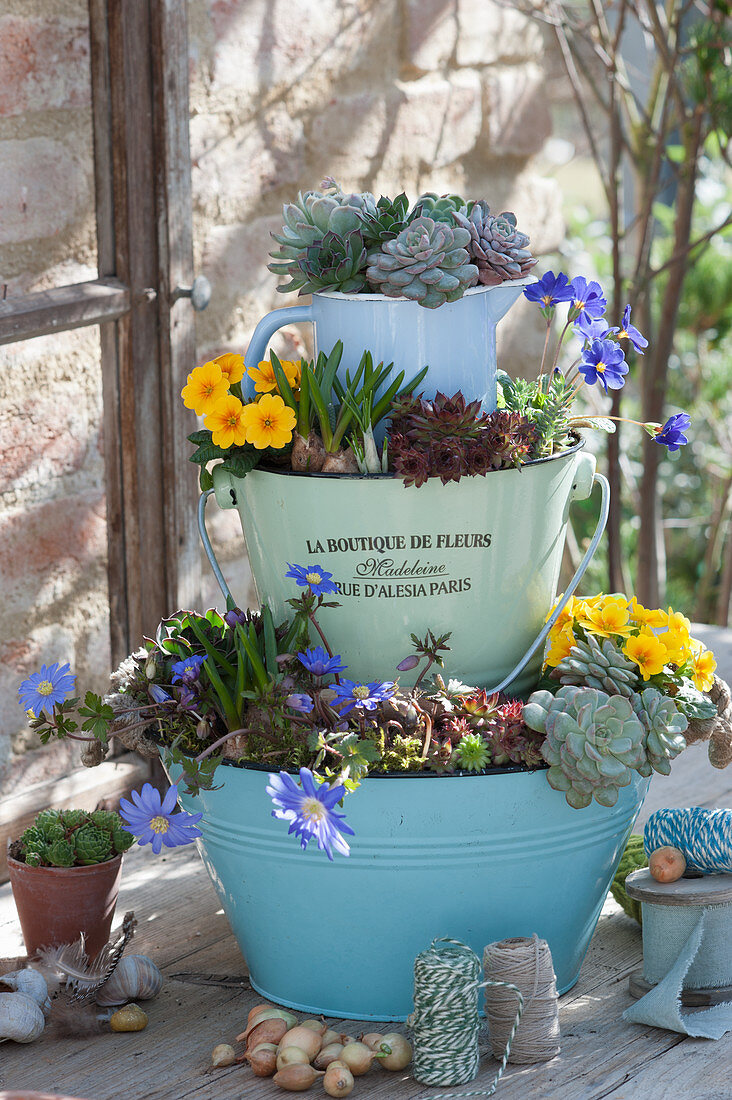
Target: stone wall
(384,94)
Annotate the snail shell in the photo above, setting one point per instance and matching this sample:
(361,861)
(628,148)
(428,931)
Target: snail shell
(30,982)
(20,1018)
(136,978)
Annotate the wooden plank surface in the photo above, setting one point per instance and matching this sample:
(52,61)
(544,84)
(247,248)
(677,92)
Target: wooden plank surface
(61,308)
(182,927)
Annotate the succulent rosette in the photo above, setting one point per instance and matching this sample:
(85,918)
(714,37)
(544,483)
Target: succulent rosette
(499,250)
(428,262)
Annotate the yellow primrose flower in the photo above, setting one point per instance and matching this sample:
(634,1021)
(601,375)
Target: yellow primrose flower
(232,366)
(561,642)
(678,644)
(206,387)
(703,665)
(675,621)
(264,375)
(608,618)
(226,423)
(566,615)
(269,422)
(647,652)
(641,616)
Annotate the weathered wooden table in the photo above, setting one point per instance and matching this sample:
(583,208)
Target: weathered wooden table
(206,998)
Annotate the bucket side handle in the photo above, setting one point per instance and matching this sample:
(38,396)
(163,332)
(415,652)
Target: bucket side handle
(213,562)
(541,637)
(267,327)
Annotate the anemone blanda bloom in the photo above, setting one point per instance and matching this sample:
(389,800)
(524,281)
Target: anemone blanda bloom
(206,387)
(268,422)
(603,361)
(309,809)
(671,435)
(350,694)
(312,576)
(188,670)
(588,298)
(318,663)
(226,423)
(150,818)
(300,701)
(549,290)
(42,690)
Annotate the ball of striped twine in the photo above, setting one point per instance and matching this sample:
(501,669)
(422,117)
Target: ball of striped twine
(445,1023)
(527,965)
(704,836)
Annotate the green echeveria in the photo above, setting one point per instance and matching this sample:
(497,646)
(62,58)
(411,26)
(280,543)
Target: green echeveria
(471,754)
(60,854)
(72,819)
(122,840)
(310,218)
(103,819)
(93,845)
(441,208)
(598,663)
(333,263)
(428,263)
(664,725)
(594,742)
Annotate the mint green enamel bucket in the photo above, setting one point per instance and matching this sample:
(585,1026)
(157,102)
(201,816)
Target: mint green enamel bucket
(479,558)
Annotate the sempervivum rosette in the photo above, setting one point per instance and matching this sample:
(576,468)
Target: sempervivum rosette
(428,262)
(497,247)
(593,742)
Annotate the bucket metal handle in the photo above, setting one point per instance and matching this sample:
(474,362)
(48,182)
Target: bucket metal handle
(571,587)
(543,633)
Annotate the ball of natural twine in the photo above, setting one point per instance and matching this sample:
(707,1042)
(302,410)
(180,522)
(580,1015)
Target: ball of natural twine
(527,964)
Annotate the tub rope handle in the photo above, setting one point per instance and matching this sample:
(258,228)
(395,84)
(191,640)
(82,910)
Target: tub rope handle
(589,554)
(543,633)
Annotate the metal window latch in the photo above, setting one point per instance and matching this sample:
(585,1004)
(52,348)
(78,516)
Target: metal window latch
(199,293)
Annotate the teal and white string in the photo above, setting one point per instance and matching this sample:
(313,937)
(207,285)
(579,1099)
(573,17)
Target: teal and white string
(445,1023)
(704,836)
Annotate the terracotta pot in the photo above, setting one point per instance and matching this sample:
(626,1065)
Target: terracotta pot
(56,904)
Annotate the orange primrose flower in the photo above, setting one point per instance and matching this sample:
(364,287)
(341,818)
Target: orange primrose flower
(264,375)
(206,387)
(648,653)
(232,366)
(226,423)
(269,422)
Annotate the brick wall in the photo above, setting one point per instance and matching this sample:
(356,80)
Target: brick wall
(384,94)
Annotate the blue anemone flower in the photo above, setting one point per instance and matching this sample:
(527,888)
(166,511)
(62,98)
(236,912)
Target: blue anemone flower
(604,362)
(187,671)
(318,663)
(671,435)
(351,694)
(300,701)
(549,290)
(313,577)
(310,811)
(150,818)
(588,298)
(42,690)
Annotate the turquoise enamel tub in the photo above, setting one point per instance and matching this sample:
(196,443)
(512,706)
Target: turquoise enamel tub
(477,858)
(479,558)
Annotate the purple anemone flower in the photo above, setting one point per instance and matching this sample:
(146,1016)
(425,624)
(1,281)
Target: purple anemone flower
(549,290)
(588,298)
(42,690)
(591,329)
(313,577)
(310,811)
(630,332)
(188,670)
(150,818)
(318,663)
(671,435)
(604,362)
(350,694)
(300,702)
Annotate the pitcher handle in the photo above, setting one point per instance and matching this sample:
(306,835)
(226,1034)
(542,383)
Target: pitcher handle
(268,326)
(541,637)
(210,554)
